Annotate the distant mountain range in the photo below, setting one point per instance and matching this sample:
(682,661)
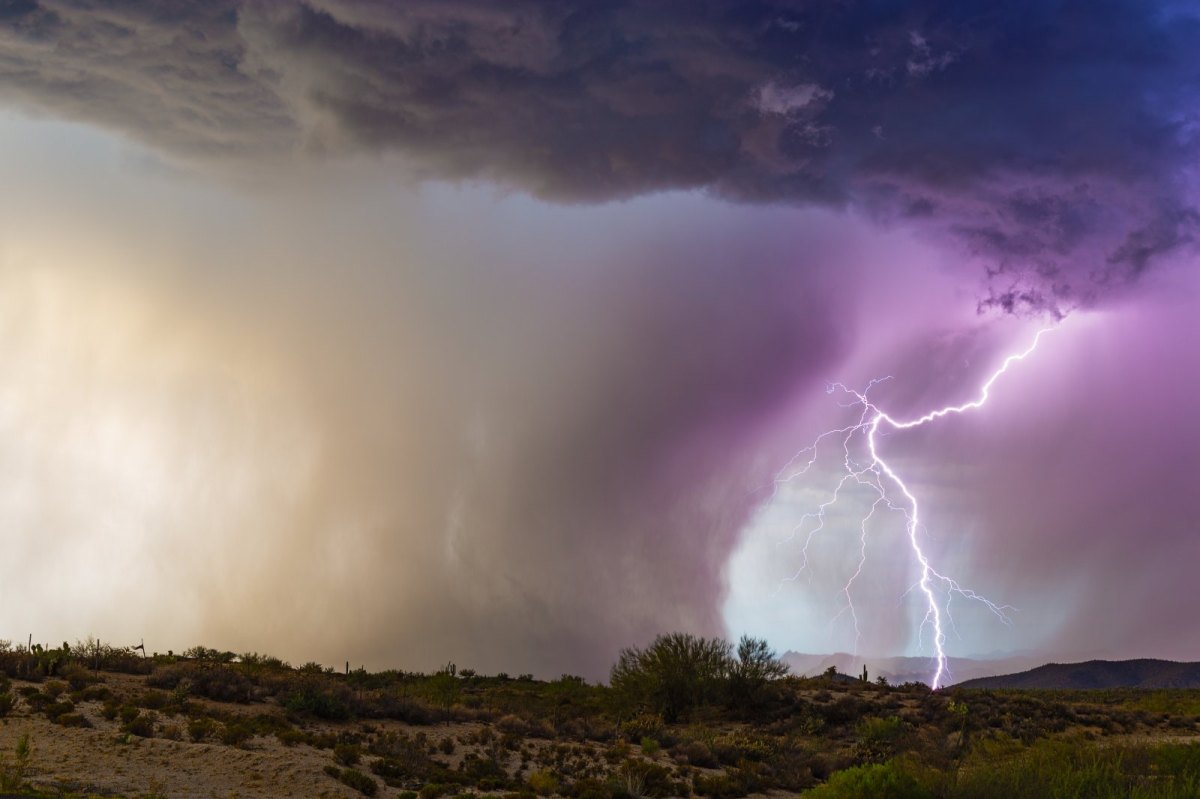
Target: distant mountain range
(1096,674)
(1016,671)
(899,670)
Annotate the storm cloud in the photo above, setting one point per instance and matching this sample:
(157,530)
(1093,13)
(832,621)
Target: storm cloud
(1041,135)
(403,332)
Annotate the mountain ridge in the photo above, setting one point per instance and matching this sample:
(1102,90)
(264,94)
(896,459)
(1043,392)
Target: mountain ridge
(1149,673)
(899,669)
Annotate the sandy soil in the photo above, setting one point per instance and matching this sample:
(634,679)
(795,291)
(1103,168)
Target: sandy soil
(102,760)
(96,761)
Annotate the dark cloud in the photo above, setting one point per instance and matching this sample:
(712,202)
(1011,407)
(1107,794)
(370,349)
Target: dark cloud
(536,440)
(1047,135)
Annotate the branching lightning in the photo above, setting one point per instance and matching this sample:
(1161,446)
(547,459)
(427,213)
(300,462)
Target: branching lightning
(891,491)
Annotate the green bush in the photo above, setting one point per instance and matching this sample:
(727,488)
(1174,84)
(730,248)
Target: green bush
(73,720)
(140,725)
(36,700)
(360,782)
(236,733)
(591,788)
(543,782)
(874,781)
(347,754)
(694,753)
(219,682)
(12,775)
(53,711)
(1002,769)
(77,676)
(639,778)
(674,675)
(95,693)
(154,700)
(878,739)
(200,728)
(291,736)
(317,696)
(433,790)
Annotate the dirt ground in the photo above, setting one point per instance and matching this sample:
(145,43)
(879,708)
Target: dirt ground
(102,760)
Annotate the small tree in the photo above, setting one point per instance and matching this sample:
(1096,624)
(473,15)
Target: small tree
(566,695)
(675,674)
(756,665)
(445,690)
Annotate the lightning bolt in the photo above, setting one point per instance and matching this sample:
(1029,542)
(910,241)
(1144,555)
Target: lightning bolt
(891,491)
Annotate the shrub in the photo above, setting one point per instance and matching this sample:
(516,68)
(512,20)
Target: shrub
(590,788)
(402,708)
(674,675)
(95,693)
(433,790)
(347,754)
(543,782)
(12,776)
(360,782)
(695,753)
(6,703)
(485,773)
(291,736)
(140,725)
(512,724)
(639,778)
(879,738)
(644,725)
(1003,769)
(316,696)
(878,781)
(53,711)
(169,676)
(221,683)
(154,700)
(77,676)
(791,766)
(73,720)
(402,757)
(756,666)
(236,734)
(738,745)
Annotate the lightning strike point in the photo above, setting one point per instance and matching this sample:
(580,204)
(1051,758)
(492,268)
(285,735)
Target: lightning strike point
(890,489)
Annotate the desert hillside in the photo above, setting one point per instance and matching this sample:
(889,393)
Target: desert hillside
(683,717)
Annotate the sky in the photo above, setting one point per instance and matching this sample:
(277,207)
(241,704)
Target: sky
(401,334)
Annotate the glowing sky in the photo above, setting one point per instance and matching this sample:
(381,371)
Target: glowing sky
(477,332)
